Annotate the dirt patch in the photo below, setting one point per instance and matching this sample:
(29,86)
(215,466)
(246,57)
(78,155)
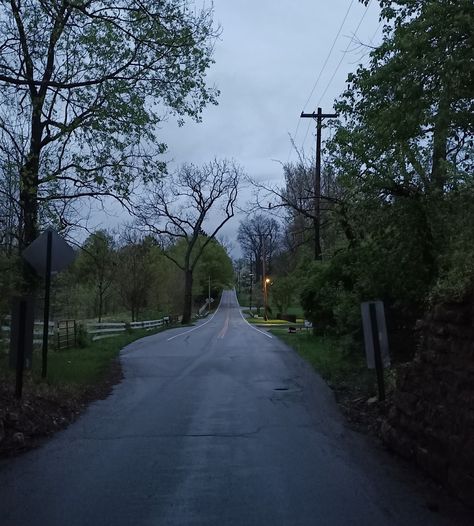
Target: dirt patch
(45,409)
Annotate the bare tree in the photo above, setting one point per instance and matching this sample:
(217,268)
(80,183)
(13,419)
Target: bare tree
(258,235)
(296,199)
(187,210)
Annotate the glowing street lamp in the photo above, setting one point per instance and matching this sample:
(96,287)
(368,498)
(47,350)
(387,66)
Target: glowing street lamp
(266,282)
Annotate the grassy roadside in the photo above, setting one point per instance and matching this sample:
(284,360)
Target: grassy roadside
(345,371)
(253,318)
(75,378)
(78,367)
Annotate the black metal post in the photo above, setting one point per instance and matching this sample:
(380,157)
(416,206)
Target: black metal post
(251,283)
(20,351)
(377,353)
(47,289)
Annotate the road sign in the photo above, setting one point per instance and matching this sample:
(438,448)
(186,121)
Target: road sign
(62,254)
(47,254)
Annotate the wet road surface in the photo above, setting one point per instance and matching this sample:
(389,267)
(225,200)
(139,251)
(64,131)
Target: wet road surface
(218,424)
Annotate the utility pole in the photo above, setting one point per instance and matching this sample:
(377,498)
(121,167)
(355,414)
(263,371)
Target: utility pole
(251,283)
(319,116)
(265,280)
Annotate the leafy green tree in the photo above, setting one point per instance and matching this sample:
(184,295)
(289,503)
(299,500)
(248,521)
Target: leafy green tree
(216,265)
(135,273)
(402,156)
(96,264)
(283,291)
(83,86)
(405,139)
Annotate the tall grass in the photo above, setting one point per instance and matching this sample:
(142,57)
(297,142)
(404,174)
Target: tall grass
(343,368)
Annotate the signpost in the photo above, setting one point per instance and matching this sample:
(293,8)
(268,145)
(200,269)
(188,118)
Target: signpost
(376,341)
(47,254)
(21,339)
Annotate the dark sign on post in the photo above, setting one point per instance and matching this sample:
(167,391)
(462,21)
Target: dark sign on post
(47,254)
(61,253)
(376,340)
(21,338)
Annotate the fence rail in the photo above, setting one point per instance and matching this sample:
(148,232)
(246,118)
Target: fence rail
(64,332)
(107,330)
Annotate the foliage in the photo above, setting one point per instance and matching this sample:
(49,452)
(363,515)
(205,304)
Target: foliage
(215,264)
(283,291)
(97,266)
(402,155)
(83,87)
(135,274)
(328,299)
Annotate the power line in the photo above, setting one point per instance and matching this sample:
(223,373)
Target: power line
(322,71)
(345,52)
(329,54)
(339,64)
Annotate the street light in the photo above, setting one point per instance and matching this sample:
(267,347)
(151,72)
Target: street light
(266,282)
(251,283)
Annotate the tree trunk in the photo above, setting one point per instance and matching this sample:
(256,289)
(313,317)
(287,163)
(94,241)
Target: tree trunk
(101,299)
(188,296)
(440,146)
(29,174)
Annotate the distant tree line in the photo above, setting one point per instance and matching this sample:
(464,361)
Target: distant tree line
(127,276)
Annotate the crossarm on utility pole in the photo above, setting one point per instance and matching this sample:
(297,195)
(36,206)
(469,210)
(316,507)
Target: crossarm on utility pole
(319,116)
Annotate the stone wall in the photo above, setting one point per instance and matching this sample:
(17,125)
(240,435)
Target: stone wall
(431,419)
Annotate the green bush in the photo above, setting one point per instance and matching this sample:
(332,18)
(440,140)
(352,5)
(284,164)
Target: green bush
(83,339)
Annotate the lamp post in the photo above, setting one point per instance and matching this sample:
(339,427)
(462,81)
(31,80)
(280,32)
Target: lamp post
(266,282)
(250,300)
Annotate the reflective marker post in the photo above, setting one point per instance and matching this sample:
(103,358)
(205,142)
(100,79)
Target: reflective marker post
(377,353)
(376,341)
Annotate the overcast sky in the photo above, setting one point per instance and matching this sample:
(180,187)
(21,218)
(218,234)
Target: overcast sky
(268,59)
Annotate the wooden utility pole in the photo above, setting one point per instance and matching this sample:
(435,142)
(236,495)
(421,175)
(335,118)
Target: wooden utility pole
(264,283)
(319,116)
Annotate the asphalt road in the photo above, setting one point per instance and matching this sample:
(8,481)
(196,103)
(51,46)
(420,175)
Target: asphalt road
(218,424)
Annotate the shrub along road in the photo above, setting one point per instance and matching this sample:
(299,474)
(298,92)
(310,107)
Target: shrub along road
(218,424)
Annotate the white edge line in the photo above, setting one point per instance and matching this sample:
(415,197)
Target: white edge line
(198,327)
(250,325)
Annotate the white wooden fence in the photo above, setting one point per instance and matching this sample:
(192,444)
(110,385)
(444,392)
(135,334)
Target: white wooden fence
(37,330)
(95,330)
(107,330)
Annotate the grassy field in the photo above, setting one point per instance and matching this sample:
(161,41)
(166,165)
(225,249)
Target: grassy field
(78,367)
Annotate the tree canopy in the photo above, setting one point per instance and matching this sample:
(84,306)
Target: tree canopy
(83,85)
